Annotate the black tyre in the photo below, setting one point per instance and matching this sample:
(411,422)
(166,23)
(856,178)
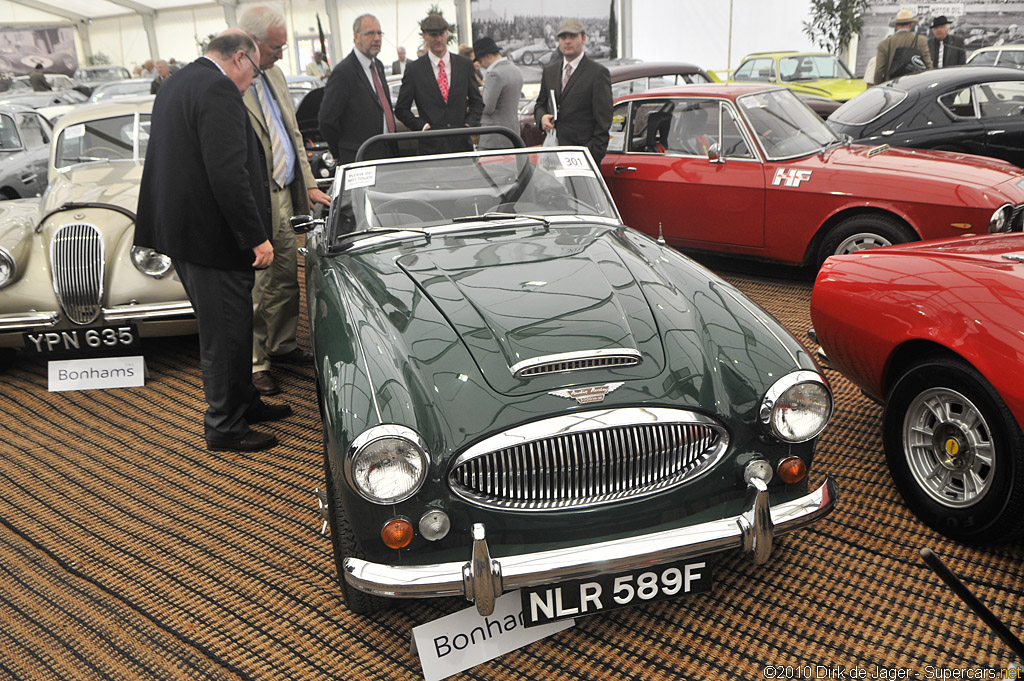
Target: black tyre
(527,58)
(955,452)
(861,232)
(344,544)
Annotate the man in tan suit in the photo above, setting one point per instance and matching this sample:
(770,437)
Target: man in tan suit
(292,190)
(904,39)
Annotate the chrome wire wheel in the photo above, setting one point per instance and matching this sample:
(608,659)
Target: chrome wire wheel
(948,445)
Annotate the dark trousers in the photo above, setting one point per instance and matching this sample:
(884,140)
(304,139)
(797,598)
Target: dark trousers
(222,300)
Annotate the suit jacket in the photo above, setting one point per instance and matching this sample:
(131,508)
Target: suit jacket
(304,180)
(584,108)
(503,86)
(953,54)
(38,81)
(464,105)
(396,67)
(887,50)
(351,112)
(313,69)
(204,196)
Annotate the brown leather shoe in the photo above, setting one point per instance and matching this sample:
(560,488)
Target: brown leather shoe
(268,412)
(296,356)
(264,383)
(252,441)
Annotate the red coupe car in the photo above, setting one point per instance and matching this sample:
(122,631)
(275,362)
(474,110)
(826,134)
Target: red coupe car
(934,331)
(751,171)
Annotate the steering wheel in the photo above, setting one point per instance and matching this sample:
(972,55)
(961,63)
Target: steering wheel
(415,207)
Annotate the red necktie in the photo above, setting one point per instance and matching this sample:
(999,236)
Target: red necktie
(442,80)
(565,78)
(384,103)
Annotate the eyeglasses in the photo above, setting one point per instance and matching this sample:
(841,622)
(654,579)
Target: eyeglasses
(256,70)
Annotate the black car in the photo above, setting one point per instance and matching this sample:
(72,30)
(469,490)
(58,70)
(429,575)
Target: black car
(307,114)
(968,109)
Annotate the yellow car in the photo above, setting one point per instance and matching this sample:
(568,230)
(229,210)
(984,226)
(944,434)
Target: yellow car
(809,73)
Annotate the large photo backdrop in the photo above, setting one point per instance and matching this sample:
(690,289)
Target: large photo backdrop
(22,47)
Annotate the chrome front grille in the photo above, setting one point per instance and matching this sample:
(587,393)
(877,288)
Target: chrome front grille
(576,361)
(77,263)
(588,459)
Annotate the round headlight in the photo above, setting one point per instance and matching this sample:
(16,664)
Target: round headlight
(149,262)
(387,464)
(1000,221)
(328,160)
(797,407)
(7,268)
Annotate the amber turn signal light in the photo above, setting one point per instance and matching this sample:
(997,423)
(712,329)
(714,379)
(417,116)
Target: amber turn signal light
(397,533)
(792,469)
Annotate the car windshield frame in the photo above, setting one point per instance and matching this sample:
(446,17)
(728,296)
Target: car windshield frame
(786,77)
(783,125)
(849,113)
(137,134)
(458,192)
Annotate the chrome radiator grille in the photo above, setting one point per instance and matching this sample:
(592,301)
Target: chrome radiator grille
(77,262)
(588,459)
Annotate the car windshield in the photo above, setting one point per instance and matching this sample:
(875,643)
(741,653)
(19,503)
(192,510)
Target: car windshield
(102,92)
(9,139)
(811,67)
(104,139)
(868,105)
(785,126)
(98,74)
(424,192)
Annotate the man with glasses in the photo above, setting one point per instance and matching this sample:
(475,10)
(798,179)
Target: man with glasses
(575,97)
(443,88)
(357,102)
(292,190)
(204,202)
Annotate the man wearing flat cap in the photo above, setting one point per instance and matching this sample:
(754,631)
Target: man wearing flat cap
(503,83)
(945,49)
(903,52)
(443,87)
(575,97)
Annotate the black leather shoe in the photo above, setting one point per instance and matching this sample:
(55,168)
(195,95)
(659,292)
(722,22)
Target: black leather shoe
(296,356)
(253,441)
(268,412)
(264,383)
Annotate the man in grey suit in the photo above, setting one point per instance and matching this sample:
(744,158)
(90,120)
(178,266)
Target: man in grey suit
(503,85)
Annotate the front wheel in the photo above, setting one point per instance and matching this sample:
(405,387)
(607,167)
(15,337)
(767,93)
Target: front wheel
(861,232)
(527,58)
(955,452)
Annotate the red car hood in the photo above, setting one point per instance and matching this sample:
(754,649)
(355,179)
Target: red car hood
(988,249)
(966,168)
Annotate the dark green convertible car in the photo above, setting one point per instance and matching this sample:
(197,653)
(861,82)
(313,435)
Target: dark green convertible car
(518,392)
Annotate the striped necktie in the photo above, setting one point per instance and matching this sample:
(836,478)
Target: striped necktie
(276,145)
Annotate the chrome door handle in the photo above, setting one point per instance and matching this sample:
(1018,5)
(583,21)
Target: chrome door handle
(619,169)
(995,132)
(27,179)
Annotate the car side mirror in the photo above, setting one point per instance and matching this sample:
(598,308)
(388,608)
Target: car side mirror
(715,153)
(304,223)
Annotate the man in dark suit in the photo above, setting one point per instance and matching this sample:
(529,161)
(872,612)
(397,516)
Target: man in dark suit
(357,103)
(946,49)
(444,89)
(204,201)
(581,109)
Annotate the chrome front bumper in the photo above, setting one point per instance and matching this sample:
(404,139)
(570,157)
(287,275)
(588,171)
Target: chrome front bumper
(139,313)
(482,579)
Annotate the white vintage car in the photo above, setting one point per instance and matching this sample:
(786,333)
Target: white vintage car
(71,282)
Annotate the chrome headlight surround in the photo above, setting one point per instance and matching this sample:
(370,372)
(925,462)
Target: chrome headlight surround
(1001,219)
(797,407)
(150,262)
(387,464)
(8,268)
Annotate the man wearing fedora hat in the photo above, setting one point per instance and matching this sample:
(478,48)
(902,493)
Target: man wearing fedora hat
(575,97)
(945,49)
(503,83)
(443,88)
(903,52)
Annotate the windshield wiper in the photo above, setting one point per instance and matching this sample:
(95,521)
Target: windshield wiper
(502,216)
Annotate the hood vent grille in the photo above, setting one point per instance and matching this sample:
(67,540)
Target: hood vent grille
(576,361)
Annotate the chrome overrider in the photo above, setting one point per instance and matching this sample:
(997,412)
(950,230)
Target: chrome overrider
(483,578)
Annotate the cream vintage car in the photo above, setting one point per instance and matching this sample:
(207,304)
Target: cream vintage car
(71,282)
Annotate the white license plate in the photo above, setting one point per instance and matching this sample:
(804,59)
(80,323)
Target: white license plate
(548,603)
(99,340)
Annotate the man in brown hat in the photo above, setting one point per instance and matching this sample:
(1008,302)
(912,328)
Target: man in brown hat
(443,88)
(575,97)
(945,49)
(903,52)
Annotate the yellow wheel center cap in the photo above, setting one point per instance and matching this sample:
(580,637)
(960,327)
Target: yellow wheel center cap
(952,447)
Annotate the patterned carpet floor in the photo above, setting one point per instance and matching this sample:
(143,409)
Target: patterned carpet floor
(128,551)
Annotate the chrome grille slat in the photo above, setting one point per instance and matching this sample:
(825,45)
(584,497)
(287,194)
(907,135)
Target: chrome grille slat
(589,464)
(579,360)
(77,269)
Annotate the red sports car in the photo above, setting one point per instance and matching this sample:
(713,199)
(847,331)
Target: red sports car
(750,170)
(934,330)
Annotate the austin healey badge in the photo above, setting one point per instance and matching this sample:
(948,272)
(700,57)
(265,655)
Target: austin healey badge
(588,395)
